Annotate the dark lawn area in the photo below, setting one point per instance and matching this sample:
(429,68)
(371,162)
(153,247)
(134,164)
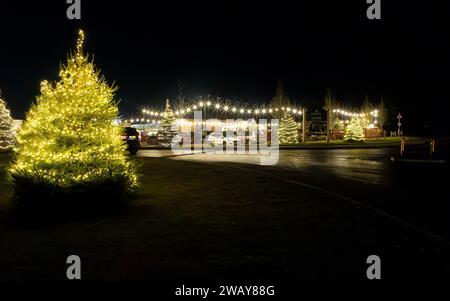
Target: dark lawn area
(197,221)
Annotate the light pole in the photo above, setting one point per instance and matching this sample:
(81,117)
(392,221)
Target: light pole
(327,109)
(399,117)
(304,125)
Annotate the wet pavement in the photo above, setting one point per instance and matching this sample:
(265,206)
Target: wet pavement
(416,193)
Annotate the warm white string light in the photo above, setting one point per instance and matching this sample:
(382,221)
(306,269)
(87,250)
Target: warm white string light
(243,111)
(224,108)
(347,113)
(367,116)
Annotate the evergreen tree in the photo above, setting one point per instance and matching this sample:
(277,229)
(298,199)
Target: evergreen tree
(69,142)
(7,127)
(280,100)
(354,131)
(330,103)
(288,133)
(167,131)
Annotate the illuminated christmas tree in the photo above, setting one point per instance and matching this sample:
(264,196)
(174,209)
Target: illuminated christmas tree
(167,130)
(354,131)
(69,142)
(7,127)
(288,132)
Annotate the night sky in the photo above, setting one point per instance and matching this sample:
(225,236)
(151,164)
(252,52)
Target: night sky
(238,51)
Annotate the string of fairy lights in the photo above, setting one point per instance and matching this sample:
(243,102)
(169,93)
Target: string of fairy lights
(372,117)
(153,115)
(346,113)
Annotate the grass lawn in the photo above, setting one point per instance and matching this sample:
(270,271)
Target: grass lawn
(196,221)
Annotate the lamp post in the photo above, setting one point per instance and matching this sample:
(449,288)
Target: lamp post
(327,109)
(304,125)
(399,117)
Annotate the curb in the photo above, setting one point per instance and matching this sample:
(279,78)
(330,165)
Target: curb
(426,161)
(321,147)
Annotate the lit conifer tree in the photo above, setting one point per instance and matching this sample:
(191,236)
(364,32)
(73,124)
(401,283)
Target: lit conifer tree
(68,141)
(288,132)
(7,127)
(166,131)
(354,131)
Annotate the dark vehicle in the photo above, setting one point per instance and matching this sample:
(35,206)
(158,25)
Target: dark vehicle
(131,137)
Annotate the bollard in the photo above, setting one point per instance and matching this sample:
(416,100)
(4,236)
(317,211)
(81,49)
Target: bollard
(402,147)
(432,147)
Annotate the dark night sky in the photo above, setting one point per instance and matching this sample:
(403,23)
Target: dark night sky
(238,51)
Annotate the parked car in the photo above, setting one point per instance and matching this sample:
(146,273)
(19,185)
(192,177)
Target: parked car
(217,139)
(176,140)
(130,136)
